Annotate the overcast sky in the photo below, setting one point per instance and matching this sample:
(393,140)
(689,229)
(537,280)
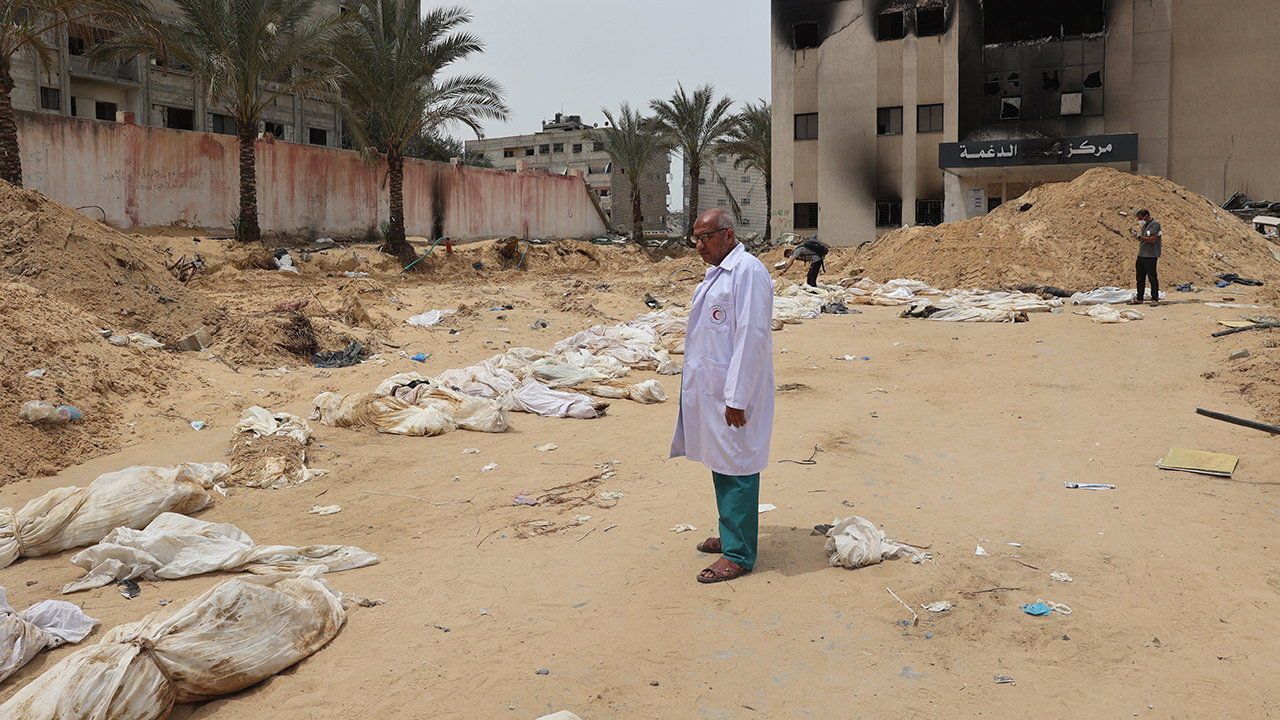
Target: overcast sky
(576,56)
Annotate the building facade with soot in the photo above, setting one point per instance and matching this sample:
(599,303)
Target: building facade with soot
(912,112)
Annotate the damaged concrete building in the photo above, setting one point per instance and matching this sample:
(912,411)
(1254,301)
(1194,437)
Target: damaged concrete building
(566,143)
(148,91)
(901,112)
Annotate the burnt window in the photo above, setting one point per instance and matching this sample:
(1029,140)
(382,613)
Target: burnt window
(1093,78)
(994,203)
(317,136)
(1008,21)
(50,98)
(528,152)
(889,121)
(928,212)
(931,21)
(105,111)
(929,118)
(1051,79)
(807,126)
(180,118)
(889,213)
(991,85)
(1011,108)
(891,26)
(77,45)
(805,35)
(276,129)
(222,124)
(577,147)
(508,153)
(806,215)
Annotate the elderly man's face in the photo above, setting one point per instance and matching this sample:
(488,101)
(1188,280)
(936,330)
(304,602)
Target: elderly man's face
(713,244)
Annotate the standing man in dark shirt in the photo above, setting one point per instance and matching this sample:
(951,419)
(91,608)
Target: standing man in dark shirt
(1149,237)
(812,251)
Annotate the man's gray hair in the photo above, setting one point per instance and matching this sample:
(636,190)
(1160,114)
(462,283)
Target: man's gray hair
(722,219)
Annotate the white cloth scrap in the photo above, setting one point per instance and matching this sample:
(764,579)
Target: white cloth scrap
(46,624)
(430,318)
(856,542)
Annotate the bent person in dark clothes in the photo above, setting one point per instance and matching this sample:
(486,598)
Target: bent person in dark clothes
(1149,240)
(812,251)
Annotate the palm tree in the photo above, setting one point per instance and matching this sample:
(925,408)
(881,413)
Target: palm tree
(391,90)
(245,54)
(25,26)
(633,142)
(694,124)
(750,142)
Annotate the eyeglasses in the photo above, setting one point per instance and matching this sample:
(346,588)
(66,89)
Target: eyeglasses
(703,237)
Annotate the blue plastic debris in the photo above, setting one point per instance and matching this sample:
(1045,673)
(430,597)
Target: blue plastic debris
(420,357)
(1037,609)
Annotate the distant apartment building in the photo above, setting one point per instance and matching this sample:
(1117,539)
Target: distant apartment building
(742,192)
(911,112)
(565,144)
(156,93)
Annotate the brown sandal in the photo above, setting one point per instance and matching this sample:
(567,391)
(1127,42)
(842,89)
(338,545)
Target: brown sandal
(711,545)
(722,570)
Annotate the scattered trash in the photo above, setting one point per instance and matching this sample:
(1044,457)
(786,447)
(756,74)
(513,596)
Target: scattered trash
(1088,486)
(1059,576)
(539,324)
(284,261)
(196,341)
(471,451)
(980,551)
(849,358)
(1242,422)
(766,507)
(610,495)
(652,301)
(198,425)
(144,340)
(525,500)
(324,510)
(543,671)
(683,527)
(1230,278)
(40,412)
(37,373)
(581,518)
(430,318)
(1041,608)
(355,274)
(1185,287)
(118,340)
(347,357)
(129,589)
(490,466)
(1004,680)
(420,357)
(915,619)
(1201,462)
(546,447)
(856,542)
(1238,355)
(939,606)
(810,461)
(1014,544)
(500,308)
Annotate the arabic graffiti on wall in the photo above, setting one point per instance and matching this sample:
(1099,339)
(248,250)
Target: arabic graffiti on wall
(1040,151)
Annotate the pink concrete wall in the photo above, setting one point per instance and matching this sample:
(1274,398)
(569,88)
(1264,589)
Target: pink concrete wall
(145,176)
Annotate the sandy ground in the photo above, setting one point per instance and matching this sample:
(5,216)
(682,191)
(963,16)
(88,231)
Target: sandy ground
(951,436)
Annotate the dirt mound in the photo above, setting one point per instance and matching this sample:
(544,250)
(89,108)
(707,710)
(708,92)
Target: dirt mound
(39,332)
(120,279)
(1073,235)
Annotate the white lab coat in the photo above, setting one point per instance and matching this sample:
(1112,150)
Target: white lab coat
(728,360)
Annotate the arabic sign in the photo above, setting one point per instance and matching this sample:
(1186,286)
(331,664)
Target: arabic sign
(1039,151)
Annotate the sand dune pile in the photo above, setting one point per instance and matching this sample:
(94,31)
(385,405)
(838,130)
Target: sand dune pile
(1076,236)
(122,280)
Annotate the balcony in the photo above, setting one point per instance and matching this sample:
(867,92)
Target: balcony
(125,71)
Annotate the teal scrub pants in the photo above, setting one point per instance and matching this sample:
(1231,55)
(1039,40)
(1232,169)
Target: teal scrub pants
(738,501)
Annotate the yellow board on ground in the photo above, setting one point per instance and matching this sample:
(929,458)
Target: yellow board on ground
(1235,323)
(1199,461)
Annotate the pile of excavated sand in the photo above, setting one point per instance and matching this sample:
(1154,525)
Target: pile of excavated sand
(120,279)
(39,332)
(1075,236)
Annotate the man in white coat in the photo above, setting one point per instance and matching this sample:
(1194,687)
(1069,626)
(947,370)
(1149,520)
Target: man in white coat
(726,391)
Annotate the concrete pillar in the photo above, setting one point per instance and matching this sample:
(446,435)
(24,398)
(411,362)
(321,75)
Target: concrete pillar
(910,100)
